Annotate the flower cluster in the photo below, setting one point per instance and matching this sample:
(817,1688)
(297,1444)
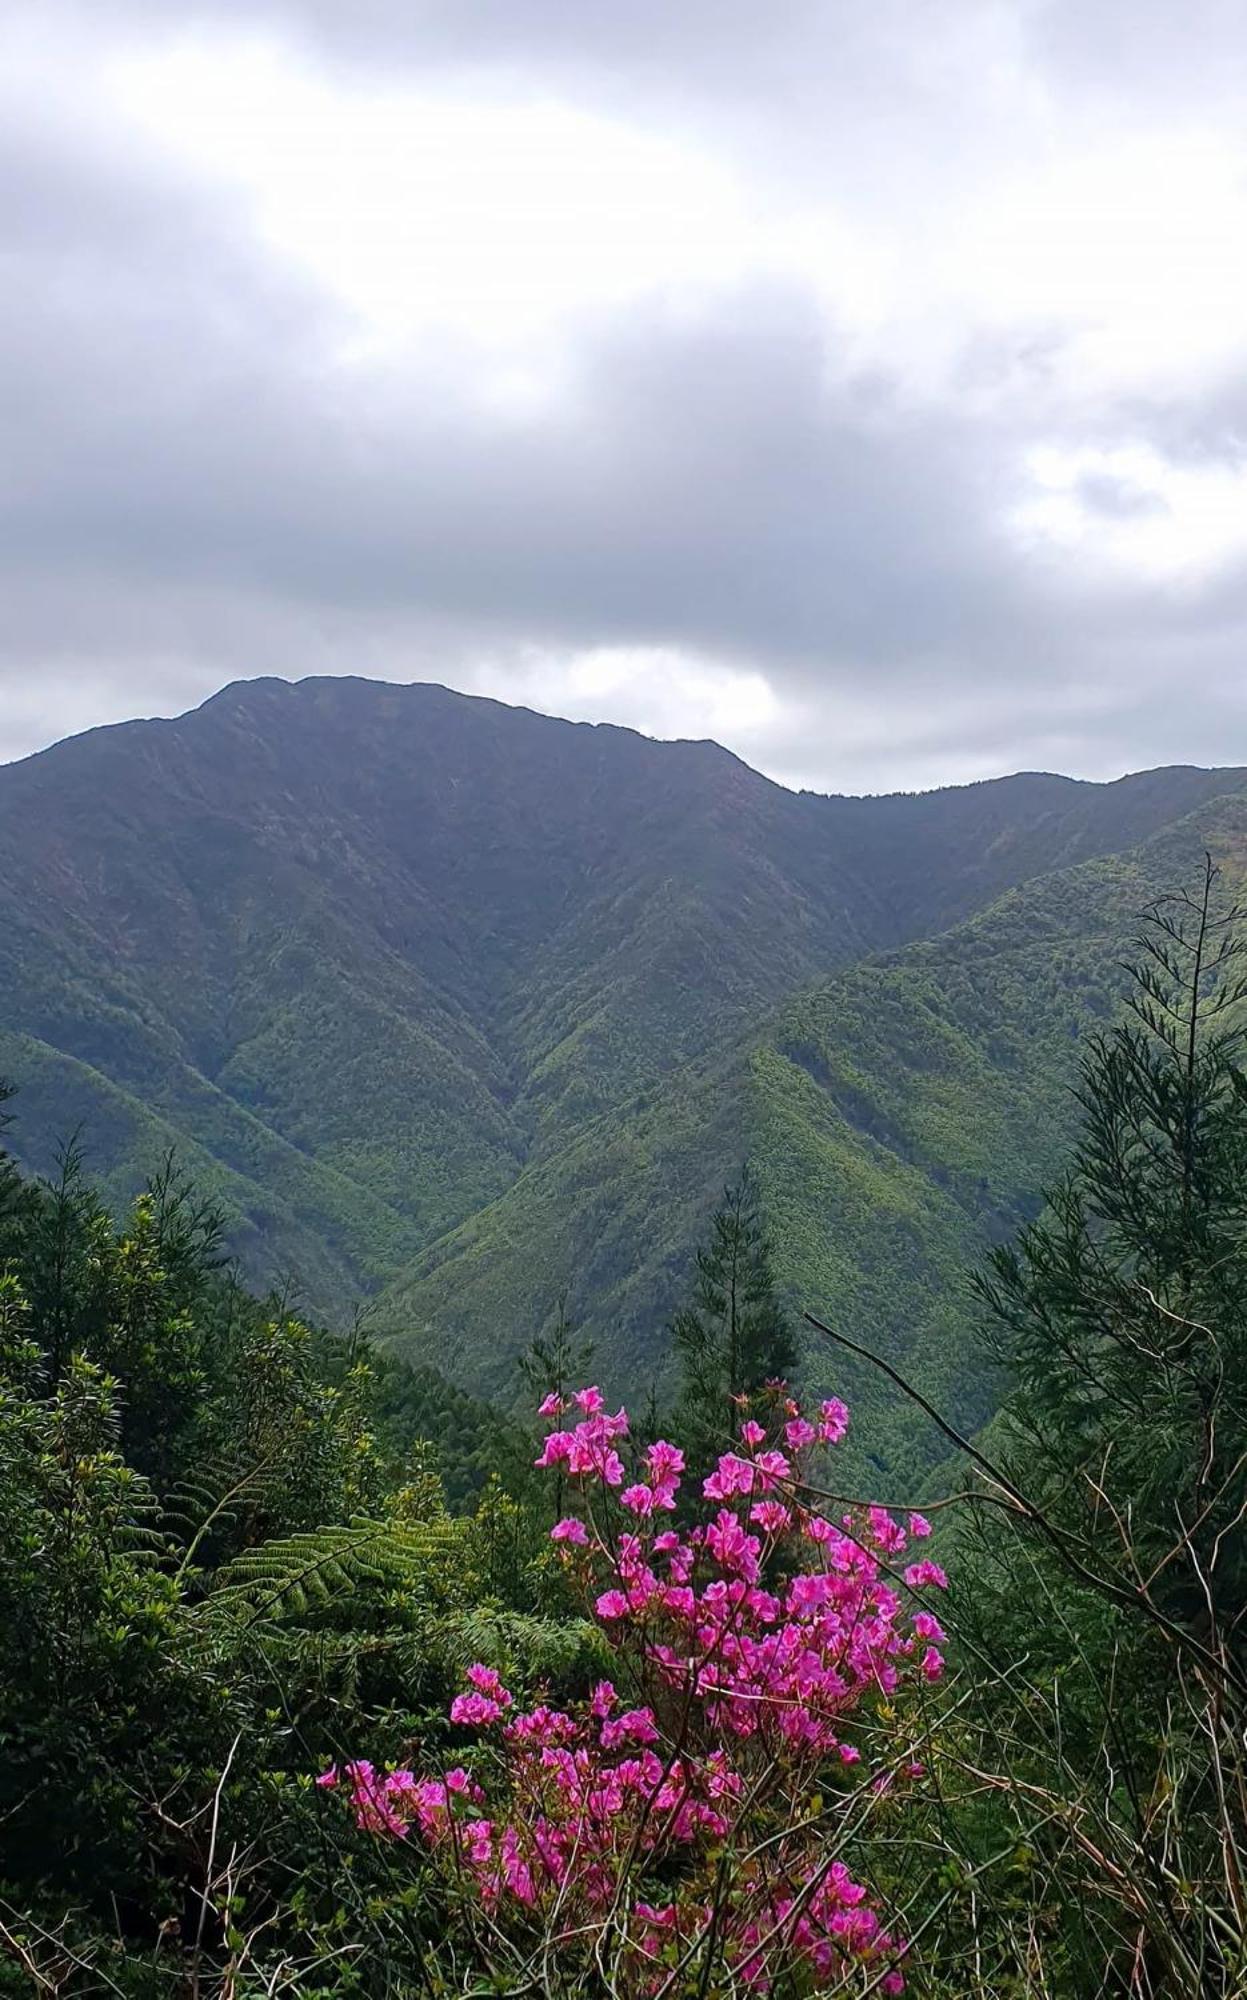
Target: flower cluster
(757,1642)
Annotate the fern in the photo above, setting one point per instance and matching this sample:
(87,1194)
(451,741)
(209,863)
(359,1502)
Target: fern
(296,1574)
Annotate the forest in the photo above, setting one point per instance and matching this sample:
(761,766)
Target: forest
(320,1676)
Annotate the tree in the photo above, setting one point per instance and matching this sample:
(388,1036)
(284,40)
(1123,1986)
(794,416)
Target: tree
(734,1334)
(1121,1314)
(1112,1554)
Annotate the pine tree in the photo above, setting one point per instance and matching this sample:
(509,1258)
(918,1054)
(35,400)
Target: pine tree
(1122,1313)
(734,1334)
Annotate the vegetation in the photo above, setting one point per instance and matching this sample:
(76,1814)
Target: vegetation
(320,1673)
(212,1549)
(733,1336)
(472,1008)
(593,1732)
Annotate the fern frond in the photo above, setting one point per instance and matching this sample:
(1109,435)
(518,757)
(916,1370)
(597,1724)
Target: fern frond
(298,1573)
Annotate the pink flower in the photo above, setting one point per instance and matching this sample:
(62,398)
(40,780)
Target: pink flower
(732,1475)
(570,1530)
(487,1680)
(612,1604)
(932,1663)
(799,1432)
(919,1527)
(637,1499)
(637,1725)
(925,1572)
(834,1420)
(556,1450)
(552,1405)
(590,1401)
(753,1432)
(772,1465)
(665,1461)
(885,1533)
(475,1711)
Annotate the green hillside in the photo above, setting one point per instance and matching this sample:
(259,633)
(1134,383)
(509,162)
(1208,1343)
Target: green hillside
(900,1118)
(464,1006)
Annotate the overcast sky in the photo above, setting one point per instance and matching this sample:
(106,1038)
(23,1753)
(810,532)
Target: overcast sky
(864,385)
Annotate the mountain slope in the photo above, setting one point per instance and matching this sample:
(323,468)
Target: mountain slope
(900,1117)
(461,1000)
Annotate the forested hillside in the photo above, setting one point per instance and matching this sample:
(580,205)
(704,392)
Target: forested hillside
(476,1008)
(900,1117)
(318,1677)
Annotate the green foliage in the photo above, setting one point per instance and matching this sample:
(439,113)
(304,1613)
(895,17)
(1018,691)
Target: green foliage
(1107,1558)
(219,1541)
(900,1119)
(734,1335)
(474,1004)
(1121,1313)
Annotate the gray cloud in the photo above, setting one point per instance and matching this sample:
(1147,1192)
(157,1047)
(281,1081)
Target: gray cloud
(195,487)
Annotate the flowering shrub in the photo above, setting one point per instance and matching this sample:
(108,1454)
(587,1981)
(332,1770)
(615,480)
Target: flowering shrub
(690,1822)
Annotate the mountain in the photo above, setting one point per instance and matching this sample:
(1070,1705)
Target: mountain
(900,1117)
(465,1006)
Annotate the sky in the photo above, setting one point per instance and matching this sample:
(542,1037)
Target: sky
(862,385)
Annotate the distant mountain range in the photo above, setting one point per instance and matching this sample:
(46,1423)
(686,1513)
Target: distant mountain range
(467,1008)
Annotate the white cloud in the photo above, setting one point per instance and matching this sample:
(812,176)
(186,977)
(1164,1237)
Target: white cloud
(656,689)
(1130,510)
(857,387)
(489,216)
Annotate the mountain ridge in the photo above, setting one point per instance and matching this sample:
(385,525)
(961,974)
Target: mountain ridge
(370,954)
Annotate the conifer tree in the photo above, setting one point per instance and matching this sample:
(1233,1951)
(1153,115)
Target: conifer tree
(734,1334)
(1121,1314)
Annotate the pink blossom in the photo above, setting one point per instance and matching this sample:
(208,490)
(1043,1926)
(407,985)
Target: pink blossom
(552,1406)
(555,1451)
(487,1680)
(665,1461)
(925,1572)
(736,1683)
(637,1725)
(732,1475)
(474,1710)
(834,1420)
(885,1533)
(919,1527)
(772,1465)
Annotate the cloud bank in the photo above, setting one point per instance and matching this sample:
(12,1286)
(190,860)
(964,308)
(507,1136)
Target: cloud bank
(867,391)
